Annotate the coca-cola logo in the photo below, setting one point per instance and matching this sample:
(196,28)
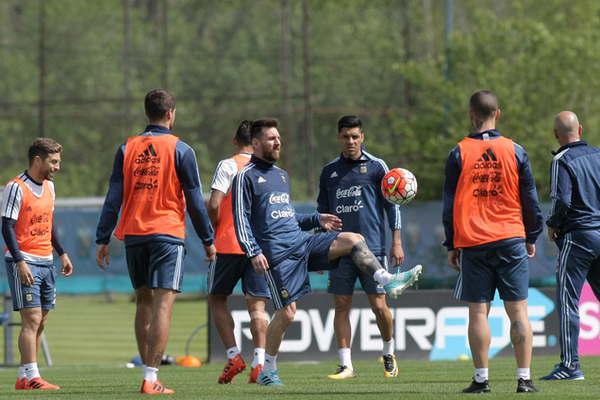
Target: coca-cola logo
(352,191)
(282,198)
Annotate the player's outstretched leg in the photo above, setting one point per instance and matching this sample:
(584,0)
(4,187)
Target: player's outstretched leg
(354,245)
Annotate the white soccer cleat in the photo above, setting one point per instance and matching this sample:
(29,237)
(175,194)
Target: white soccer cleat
(403,280)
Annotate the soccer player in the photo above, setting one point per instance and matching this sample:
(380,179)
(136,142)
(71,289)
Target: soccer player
(154,180)
(492,219)
(270,233)
(30,235)
(350,188)
(574,225)
(233,265)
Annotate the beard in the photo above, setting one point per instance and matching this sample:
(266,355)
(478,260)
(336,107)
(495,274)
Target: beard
(271,156)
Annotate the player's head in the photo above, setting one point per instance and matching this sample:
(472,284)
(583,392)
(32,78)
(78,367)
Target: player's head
(242,136)
(350,136)
(44,157)
(266,141)
(567,128)
(160,107)
(483,108)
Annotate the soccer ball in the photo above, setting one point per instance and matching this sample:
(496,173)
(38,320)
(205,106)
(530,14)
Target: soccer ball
(399,186)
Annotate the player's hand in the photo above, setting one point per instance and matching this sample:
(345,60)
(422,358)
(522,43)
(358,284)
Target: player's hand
(530,249)
(25,273)
(330,222)
(453,257)
(102,256)
(260,263)
(211,252)
(67,267)
(396,253)
(552,234)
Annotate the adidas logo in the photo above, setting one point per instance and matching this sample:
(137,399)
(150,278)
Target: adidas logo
(148,156)
(488,160)
(333,174)
(488,156)
(261,179)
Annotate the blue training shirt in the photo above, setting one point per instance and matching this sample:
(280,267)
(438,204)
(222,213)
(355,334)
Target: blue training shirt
(575,188)
(264,219)
(187,172)
(351,189)
(530,208)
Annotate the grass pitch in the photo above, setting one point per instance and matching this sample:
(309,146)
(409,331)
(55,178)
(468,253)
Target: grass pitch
(91,340)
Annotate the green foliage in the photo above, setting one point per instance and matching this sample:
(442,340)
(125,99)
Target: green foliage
(383,60)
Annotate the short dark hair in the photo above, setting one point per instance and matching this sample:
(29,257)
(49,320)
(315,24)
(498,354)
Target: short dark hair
(157,103)
(349,121)
(483,104)
(256,129)
(242,135)
(43,147)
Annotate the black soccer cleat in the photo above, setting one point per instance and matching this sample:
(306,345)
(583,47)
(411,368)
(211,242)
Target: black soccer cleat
(525,386)
(476,387)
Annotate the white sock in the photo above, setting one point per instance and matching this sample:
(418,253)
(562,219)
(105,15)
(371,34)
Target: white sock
(382,276)
(259,357)
(150,374)
(523,373)
(31,371)
(22,372)
(480,375)
(232,352)
(346,358)
(388,347)
(270,363)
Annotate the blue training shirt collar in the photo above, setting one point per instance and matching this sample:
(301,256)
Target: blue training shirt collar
(156,129)
(569,145)
(493,133)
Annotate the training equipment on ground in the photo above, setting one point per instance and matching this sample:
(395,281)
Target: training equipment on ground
(188,361)
(399,186)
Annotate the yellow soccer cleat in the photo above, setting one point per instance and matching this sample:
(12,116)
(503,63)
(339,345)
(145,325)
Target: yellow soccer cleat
(343,372)
(390,368)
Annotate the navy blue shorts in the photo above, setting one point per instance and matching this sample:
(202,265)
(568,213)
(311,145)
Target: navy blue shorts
(288,280)
(156,265)
(342,279)
(483,270)
(41,294)
(229,269)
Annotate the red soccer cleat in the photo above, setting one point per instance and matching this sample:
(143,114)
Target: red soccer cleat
(233,367)
(34,384)
(21,384)
(254,373)
(154,388)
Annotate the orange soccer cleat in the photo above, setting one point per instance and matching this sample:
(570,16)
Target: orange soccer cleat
(154,388)
(34,384)
(233,367)
(254,373)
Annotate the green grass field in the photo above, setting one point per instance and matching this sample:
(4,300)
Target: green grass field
(92,339)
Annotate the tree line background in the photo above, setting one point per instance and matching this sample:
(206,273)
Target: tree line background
(77,71)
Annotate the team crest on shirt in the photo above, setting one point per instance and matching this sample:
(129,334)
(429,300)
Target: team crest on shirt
(363,169)
(284,293)
(283,178)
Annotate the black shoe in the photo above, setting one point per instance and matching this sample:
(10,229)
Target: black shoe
(525,386)
(476,387)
